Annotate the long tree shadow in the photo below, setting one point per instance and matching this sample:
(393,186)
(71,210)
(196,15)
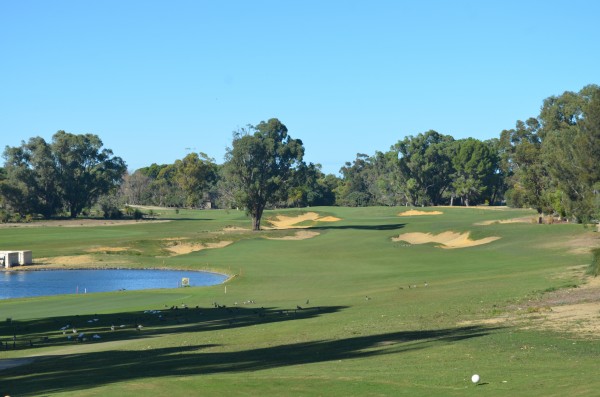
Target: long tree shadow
(97,329)
(391,226)
(70,373)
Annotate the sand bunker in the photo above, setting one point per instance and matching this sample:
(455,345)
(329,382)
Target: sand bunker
(291,222)
(418,213)
(328,219)
(300,235)
(187,248)
(448,240)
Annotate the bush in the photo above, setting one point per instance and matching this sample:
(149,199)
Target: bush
(137,214)
(594,268)
(4,216)
(110,207)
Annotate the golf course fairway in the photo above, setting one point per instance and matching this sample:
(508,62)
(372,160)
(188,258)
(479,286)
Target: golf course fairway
(326,301)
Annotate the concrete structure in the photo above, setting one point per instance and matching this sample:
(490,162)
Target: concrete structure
(14,258)
(25,258)
(9,258)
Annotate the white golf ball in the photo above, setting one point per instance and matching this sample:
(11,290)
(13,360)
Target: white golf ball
(475,378)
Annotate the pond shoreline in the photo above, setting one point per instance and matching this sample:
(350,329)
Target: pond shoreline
(50,268)
(30,283)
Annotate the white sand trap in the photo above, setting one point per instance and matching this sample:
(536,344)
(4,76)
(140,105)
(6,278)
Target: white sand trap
(291,222)
(419,213)
(448,240)
(299,235)
(187,248)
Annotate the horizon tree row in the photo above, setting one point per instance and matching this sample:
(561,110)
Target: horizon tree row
(548,162)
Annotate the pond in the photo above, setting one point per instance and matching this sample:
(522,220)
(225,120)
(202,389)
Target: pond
(22,284)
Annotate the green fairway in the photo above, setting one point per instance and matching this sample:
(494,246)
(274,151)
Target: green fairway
(347,312)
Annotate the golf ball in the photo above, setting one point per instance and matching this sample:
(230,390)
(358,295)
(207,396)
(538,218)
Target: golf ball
(475,378)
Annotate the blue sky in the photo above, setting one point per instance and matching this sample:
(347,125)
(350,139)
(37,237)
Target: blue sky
(158,79)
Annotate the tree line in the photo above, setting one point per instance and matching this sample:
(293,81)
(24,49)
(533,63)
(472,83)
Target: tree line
(547,162)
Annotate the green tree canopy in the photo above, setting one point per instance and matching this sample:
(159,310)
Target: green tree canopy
(474,165)
(194,175)
(32,184)
(71,173)
(425,161)
(86,170)
(259,164)
(571,148)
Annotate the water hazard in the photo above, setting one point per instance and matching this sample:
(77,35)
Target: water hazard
(23,284)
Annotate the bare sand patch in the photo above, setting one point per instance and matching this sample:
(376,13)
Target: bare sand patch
(570,310)
(525,219)
(291,222)
(448,240)
(72,260)
(328,219)
(108,249)
(299,235)
(419,213)
(187,248)
(583,244)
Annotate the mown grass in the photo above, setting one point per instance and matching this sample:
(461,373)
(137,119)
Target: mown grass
(336,314)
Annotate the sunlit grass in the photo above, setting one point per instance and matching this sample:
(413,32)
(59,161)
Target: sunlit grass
(348,312)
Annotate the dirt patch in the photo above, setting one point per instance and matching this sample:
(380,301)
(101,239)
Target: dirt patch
(235,229)
(108,249)
(74,260)
(299,235)
(419,213)
(525,219)
(448,240)
(583,244)
(182,248)
(571,310)
(79,223)
(291,222)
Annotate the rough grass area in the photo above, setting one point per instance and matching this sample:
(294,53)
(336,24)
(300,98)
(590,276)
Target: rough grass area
(346,312)
(594,268)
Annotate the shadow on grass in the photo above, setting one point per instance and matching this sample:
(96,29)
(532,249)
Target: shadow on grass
(68,330)
(172,218)
(68,373)
(393,226)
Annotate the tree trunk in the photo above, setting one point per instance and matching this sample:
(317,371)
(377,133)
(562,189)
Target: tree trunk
(256,216)
(255,223)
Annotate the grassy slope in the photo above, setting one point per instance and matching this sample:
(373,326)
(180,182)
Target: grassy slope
(400,341)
